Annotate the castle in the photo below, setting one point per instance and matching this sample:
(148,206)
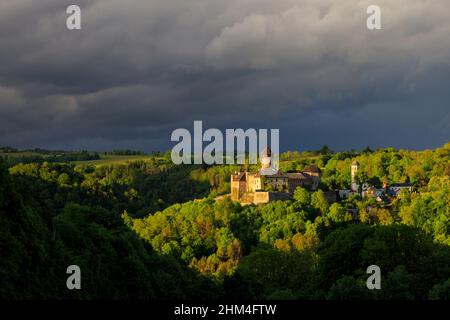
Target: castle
(254,187)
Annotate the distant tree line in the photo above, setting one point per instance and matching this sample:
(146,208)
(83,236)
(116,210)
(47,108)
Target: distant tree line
(52,157)
(125,152)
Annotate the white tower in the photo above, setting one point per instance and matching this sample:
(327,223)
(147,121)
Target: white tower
(266,163)
(266,158)
(354,172)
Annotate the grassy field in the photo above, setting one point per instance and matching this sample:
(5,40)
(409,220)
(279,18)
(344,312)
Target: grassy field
(112,159)
(105,159)
(21,154)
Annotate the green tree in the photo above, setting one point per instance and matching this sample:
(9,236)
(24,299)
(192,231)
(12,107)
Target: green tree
(302,196)
(440,291)
(397,286)
(337,213)
(348,288)
(63,179)
(319,201)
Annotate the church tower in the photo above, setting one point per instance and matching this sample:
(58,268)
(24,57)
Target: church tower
(354,172)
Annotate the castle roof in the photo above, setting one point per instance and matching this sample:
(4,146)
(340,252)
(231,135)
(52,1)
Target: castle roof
(277,176)
(240,176)
(254,174)
(400,185)
(297,176)
(312,168)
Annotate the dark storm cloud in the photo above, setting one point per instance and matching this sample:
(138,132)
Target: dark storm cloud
(139,69)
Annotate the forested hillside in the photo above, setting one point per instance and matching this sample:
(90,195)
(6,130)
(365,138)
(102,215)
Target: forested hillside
(149,229)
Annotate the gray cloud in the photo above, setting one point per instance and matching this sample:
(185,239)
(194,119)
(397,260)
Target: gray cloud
(139,69)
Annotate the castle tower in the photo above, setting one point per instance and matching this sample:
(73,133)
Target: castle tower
(266,158)
(354,172)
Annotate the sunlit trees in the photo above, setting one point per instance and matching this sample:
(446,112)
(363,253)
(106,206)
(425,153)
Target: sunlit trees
(319,201)
(337,213)
(302,196)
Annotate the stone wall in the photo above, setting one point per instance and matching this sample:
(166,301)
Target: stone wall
(267,196)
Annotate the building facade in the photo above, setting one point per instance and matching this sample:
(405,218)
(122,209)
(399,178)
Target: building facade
(253,187)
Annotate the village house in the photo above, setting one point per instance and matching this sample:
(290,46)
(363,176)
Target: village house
(367,191)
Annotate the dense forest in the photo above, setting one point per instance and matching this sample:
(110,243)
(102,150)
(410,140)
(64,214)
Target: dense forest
(148,229)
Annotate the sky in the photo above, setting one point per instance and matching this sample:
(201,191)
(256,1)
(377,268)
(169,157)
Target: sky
(137,70)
